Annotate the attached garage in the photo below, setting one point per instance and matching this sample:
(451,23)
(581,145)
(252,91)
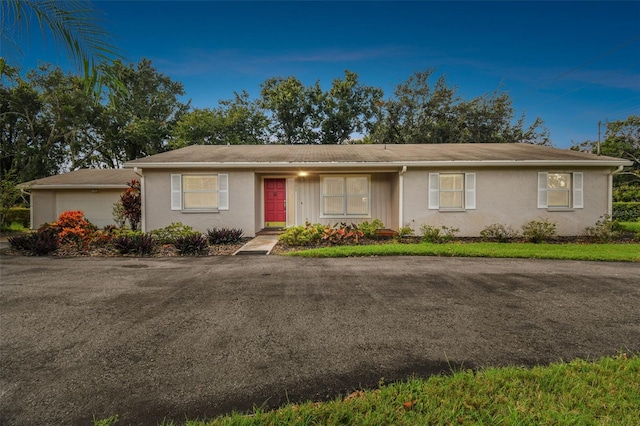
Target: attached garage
(93,191)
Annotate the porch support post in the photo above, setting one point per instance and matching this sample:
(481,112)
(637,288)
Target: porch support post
(401,197)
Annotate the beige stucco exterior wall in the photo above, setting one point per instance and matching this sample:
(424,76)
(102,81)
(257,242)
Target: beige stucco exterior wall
(97,204)
(157,199)
(507,196)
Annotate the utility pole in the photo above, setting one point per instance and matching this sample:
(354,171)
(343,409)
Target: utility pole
(598,149)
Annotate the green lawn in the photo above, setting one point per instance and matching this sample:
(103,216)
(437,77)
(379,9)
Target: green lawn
(603,252)
(604,392)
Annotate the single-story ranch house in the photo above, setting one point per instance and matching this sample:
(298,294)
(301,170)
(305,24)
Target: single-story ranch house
(94,191)
(465,186)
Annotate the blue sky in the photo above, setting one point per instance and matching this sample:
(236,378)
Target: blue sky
(570,63)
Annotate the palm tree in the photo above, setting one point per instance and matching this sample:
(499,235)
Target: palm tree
(75,26)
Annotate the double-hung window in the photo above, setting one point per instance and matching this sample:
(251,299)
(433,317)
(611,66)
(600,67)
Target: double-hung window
(201,192)
(452,191)
(345,196)
(560,190)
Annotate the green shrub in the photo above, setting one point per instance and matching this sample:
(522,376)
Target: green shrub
(224,235)
(192,245)
(14,227)
(405,231)
(169,234)
(537,231)
(39,243)
(342,234)
(627,192)
(20,215)
(626,211)
(432,234)
(605,229)
(302,235)
(369,229)
(498,232)
(136,243)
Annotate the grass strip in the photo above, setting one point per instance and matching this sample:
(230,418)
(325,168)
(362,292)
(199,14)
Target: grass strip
(604,392)
(600,252)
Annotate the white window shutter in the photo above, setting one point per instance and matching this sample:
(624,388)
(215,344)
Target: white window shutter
(542,190)
(578,193)
(434,191)
(223,192)
(470,191)
(176,192)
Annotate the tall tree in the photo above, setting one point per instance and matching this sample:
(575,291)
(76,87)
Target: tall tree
(235,121)
(348,107)
(138,121)
(45,119)
(294,109)
(622,140)
(423,113)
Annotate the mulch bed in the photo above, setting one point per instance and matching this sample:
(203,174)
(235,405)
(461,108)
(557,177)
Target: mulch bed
(166,250)
(169,250)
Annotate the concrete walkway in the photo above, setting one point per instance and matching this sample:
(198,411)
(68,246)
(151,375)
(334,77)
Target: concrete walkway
(260,245)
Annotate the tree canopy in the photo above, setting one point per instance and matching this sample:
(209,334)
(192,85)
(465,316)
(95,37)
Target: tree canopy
(50,124)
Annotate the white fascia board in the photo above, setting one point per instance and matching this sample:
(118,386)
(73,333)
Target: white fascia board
(76,186)
(375,165)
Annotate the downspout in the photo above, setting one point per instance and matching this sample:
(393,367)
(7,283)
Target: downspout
(610,190)
(401,197)
(143,221)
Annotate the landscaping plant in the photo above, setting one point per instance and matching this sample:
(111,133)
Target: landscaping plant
(432,234)
(140,244)
(537,231)
(369,229)
(342,234)
(192,245)
(73,228)
(170,233)
(224,235)
(499,233)
(605,229)
(39,243)
(302,235)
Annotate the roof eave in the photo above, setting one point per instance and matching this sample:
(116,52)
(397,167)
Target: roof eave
(363,164)
(74,186)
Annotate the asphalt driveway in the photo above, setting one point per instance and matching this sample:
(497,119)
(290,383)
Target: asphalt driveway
(149,339)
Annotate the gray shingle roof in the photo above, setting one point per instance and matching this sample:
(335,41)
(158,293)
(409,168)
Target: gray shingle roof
(83,178)
(334,155)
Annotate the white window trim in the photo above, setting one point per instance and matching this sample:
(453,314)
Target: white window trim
(345,215)
(177,193)
(576,191)
(468,192)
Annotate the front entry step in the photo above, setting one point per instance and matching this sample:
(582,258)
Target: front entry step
(260,245)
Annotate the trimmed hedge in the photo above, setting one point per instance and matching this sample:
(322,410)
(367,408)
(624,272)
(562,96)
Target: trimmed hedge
(626,212)
(18,214)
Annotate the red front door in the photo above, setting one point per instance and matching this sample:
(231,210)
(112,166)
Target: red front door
(275,203)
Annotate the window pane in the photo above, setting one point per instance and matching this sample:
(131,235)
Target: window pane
(451,200)
(200,183)
(357,205)
(451,181)
(559,181)
(357,185)
(200,200)
(333,186)
(558,198)
(333,205)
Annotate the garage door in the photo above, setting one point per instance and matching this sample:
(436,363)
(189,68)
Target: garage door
(97,206)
